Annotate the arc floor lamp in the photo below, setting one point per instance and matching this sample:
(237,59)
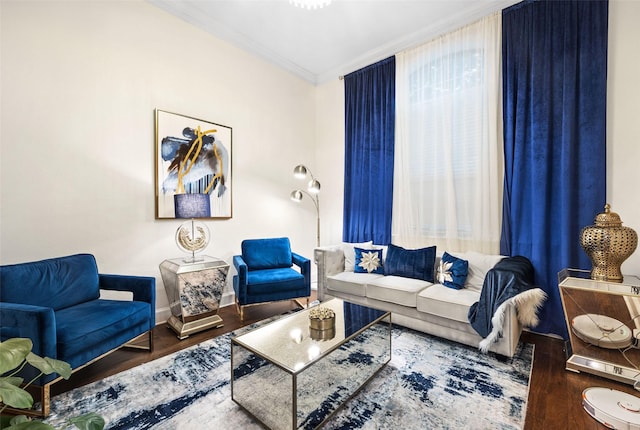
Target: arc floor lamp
(313,189)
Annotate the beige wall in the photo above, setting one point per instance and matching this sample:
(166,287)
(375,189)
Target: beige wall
(79,82)
(79,85)
(623,121)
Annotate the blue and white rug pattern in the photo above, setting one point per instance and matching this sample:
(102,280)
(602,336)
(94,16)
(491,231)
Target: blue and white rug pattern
(429,383)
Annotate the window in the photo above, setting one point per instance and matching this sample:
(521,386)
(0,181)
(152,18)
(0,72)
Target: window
(447,180)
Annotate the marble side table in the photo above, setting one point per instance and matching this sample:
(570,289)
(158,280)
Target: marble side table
(194,291)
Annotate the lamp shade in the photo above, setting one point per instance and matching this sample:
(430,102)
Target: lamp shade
(192,205)
(314,186)
(300,171)
(296,195)
(313,189)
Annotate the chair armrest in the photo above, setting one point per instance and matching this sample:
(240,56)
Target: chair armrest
(34,322)
(240,280)
(329,261)
(142,287)
(305,267)
(241,267)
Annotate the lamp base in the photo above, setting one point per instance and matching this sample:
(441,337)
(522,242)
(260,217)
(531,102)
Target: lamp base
(192,259)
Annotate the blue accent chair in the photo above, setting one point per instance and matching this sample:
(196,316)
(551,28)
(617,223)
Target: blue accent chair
(56,303)
(266,273)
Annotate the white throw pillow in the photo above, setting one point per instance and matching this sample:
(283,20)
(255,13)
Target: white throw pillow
(350,253)
(479,265)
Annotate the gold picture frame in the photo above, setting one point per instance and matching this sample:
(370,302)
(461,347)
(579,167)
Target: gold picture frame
(192,156)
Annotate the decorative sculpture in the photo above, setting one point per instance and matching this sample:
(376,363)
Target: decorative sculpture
(608,244)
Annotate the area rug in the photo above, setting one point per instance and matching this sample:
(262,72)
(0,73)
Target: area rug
(429,383)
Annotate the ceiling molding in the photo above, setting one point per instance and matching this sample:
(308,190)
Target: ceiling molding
(196,13)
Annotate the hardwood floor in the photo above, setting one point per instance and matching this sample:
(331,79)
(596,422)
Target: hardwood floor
(554,393)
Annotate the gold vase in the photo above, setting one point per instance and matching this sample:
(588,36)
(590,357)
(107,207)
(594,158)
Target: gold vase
(608,244)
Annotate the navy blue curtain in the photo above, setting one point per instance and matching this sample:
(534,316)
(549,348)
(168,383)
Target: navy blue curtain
(555,77)
(368,162)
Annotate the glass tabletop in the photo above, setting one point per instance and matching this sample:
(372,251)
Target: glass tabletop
(290,343)
(581,279)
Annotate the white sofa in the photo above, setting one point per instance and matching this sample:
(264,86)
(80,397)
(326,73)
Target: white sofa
(414,303)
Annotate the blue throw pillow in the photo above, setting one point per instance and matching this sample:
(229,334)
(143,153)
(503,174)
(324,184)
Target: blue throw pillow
(453,271)
(368,261)
(410,263)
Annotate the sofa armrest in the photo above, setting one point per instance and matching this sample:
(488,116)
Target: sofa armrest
(329,261)
(305,267)
(142,287)
(34,322)
(506,280)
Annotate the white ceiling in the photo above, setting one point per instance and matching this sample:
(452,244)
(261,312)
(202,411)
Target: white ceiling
(322,44)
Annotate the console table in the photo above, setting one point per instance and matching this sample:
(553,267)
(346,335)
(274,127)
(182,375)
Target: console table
(603,321)
(194,291)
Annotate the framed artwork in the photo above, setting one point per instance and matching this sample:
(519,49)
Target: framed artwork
(193,156)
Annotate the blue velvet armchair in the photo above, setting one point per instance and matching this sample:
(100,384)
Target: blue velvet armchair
(266,273)
(56,303)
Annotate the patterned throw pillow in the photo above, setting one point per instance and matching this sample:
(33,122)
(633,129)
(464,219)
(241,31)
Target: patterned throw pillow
(410,263)
(368,261)
(452,271)
(349,253)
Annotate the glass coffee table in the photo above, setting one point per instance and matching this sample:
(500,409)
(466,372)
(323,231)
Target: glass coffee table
(289,376)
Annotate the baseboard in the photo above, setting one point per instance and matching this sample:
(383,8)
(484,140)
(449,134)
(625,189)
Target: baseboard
(227,299)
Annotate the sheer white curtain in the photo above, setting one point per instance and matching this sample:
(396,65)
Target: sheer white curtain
(448,147)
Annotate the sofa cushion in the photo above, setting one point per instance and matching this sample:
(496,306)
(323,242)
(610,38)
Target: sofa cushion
(446,302)
(368,261)
(452,271)
(273,281)
(351,282)
(410,263)
(350,253)
(261,254)
(90,329)
(396,289)
(54,283)
(479,265)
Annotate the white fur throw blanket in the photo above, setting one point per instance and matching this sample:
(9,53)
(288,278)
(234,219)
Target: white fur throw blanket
(527,305)
(508,283)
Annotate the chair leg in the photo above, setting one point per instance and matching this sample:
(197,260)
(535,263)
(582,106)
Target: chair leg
(45,404)
(240,310)
(133,343)
(46,399)
(299,303)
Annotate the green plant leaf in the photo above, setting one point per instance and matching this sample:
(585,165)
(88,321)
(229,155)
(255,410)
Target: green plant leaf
(49,365)
(31,425)
(18,419)
(90,421)
(13,352)
(13,380)
(14,396)
(5,421)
